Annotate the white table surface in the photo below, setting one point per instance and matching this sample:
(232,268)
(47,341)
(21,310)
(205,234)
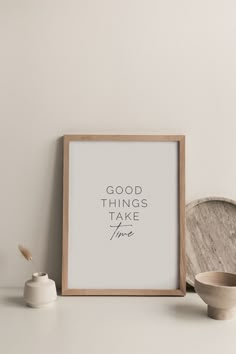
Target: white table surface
(103,325)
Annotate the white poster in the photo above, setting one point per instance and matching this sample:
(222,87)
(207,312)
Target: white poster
(123,215)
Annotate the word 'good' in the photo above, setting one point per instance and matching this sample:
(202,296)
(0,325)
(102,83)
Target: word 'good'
(126,190)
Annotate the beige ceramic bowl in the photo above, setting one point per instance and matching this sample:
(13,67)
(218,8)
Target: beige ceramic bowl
(218,291)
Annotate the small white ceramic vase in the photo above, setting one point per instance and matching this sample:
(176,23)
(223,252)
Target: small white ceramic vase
(40,291)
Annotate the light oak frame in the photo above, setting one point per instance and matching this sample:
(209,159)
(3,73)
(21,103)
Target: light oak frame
(181,290)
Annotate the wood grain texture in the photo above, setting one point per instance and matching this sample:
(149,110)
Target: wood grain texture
(210,236)
(104,137)
(181,291)
(65,222)
(182,257)
(124,292)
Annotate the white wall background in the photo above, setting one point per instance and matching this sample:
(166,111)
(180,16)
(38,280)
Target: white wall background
(107,66)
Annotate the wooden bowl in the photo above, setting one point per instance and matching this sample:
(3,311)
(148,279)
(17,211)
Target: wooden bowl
(218,291)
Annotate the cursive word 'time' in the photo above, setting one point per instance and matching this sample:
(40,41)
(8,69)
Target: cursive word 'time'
(117,232)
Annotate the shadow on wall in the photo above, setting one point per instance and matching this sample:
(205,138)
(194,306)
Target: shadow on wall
(54,256)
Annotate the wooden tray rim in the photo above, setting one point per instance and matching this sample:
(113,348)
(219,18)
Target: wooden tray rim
(196,202)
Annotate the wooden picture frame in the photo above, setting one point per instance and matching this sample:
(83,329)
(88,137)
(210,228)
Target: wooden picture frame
(132,181)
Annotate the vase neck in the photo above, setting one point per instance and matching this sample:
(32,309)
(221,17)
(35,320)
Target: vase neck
(39,277)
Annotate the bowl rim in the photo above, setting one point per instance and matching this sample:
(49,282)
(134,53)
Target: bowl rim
(215,285)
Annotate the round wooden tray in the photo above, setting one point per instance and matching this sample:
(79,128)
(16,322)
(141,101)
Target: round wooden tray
(210,236)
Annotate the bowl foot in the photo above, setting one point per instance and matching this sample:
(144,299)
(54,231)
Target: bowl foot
(220,314)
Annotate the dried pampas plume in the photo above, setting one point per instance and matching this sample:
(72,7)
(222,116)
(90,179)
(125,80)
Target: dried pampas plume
(25,253)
